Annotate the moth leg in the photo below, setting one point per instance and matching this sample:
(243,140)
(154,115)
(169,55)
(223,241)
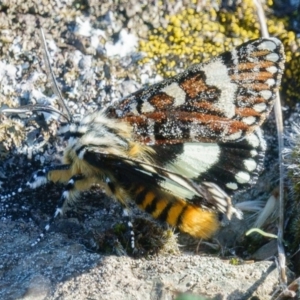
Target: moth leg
(117,192)
(128,219)
(76,184)
(59,173)
(120,195)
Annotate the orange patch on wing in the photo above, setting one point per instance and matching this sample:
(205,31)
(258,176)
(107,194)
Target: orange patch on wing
(231,127)
(247,112)
(256,86)
(260,53)
(202,118)
(161,101)
(251,66)
(206,106)
(251,76)
(143,118)
(194,85)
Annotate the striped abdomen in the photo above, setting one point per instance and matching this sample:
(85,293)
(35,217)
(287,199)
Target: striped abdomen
(188,218)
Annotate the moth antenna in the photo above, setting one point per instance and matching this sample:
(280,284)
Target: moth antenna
(31,108)
(56,90)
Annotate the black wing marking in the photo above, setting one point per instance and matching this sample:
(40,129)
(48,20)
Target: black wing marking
(232,166)
(126,172)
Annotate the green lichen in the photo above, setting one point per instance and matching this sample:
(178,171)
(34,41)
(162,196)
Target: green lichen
(235,261)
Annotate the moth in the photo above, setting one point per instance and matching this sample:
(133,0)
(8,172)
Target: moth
(179,148)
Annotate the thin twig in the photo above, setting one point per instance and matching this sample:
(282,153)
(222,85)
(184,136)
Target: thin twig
(51,75)
(279,124)
(290,291)
(29,109)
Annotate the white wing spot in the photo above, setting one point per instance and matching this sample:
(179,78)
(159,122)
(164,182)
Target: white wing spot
(232,185)
(260,107)
(175,91)
(272,69)
(147,107)
(272,57)
(234,136)
(267,45)
(270,82)
(249,120)
(253,140)
(250,164)
(266,94)
(253,153)
(242,177)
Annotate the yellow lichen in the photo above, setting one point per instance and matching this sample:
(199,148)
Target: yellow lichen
(193,36)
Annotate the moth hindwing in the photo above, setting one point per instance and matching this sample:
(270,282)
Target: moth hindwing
(179,148)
